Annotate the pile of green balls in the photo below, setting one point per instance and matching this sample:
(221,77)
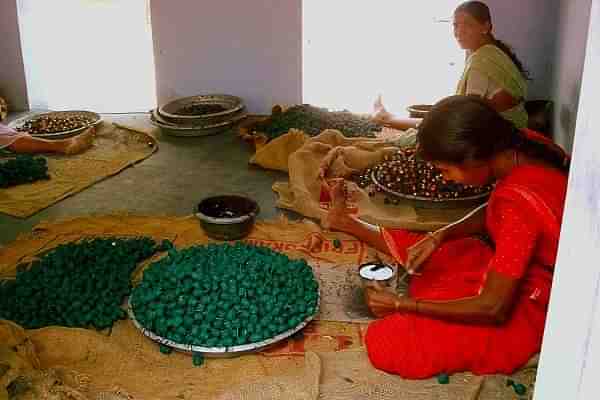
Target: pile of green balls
(314,120)
(79,284)
(223,295)
(24,168)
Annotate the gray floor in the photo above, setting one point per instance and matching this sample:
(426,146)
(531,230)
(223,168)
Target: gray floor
(170,182)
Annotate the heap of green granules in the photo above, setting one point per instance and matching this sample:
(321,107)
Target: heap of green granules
(221,295)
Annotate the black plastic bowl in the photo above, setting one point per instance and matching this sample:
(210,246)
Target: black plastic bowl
(227,217)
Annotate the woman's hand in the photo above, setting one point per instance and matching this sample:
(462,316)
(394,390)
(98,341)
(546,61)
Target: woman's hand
(419,252)
(383,303)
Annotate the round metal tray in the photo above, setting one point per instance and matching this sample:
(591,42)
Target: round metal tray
(231,104)
(426,202)
(196,122)
(221,352)
(192,131)
(18,123)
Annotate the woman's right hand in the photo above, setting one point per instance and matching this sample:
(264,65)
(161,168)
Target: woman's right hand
(419,252)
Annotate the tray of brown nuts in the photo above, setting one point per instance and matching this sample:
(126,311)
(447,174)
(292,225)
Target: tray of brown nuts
(56,124)
(402,177)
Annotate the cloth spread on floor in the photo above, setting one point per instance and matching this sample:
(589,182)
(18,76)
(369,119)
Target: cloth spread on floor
(114,149)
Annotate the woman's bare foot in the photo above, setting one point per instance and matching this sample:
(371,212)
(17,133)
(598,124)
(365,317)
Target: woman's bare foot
(80,142)
(380,114)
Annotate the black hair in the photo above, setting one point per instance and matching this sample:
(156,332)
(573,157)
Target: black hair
(481,13)
(464,128)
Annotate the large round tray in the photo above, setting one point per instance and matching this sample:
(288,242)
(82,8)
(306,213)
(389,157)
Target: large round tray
(63,114)
(192,131)
(426,202)
(221,352)
(232,104)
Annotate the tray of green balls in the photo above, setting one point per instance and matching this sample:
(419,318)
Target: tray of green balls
(223,300)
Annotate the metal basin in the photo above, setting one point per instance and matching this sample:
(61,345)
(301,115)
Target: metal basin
(418,110)
(172,112)
(227,217)
(94,117)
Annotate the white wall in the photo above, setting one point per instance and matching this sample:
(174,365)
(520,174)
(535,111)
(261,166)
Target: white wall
(12,73)
(569,364)
(572,30)
(529,27)
(251,49)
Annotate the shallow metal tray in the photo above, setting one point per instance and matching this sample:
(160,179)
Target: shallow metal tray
(426,202)
(192,131)
(221,352)
(231,104)
(18,123)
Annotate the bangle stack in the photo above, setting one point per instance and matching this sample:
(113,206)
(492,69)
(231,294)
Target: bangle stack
(434,238)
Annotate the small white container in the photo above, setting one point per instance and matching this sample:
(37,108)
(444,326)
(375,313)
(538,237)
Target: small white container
(377,275)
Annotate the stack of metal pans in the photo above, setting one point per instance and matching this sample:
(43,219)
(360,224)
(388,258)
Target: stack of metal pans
(199,115)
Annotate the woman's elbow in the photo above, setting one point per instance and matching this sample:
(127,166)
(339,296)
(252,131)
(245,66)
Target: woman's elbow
(496,314)
(500,317)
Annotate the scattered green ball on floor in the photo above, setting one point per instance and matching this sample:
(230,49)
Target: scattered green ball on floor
(443,379)
(164,349)
(198,359)
(520,389)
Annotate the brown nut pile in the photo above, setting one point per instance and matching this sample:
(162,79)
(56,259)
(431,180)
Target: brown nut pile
(404,174)
(44,124)
(200,109)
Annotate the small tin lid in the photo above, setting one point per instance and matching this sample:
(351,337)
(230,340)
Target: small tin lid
(376,271)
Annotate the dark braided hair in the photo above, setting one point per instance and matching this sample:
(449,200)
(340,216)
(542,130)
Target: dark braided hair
(463,128)
(481,13)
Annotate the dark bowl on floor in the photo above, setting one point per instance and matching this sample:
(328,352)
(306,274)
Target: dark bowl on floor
(227,217)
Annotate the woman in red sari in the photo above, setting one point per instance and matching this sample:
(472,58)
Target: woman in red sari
(471,307)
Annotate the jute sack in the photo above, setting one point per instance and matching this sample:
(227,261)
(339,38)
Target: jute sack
(302,192)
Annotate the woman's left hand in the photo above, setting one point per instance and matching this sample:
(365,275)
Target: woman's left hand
(383,303)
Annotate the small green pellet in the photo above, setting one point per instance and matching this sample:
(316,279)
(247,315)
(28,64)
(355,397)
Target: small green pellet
(198,359)
(443,379)
(520,389)
(164,349)
(337,243)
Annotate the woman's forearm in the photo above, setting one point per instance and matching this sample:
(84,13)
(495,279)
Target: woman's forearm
(491,306)
(402,123)
(472,310)
(470,224)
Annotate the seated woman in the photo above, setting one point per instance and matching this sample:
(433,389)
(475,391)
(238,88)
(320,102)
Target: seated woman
(472,307)
(22,142)
(492,70)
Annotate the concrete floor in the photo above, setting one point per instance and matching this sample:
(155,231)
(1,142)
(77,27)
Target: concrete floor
(170,182)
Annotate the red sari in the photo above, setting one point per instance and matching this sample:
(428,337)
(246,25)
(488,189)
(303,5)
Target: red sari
(523,219)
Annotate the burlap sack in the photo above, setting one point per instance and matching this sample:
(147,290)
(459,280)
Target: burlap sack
(60,363)
(301,192)
(115,148)
(349,375)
